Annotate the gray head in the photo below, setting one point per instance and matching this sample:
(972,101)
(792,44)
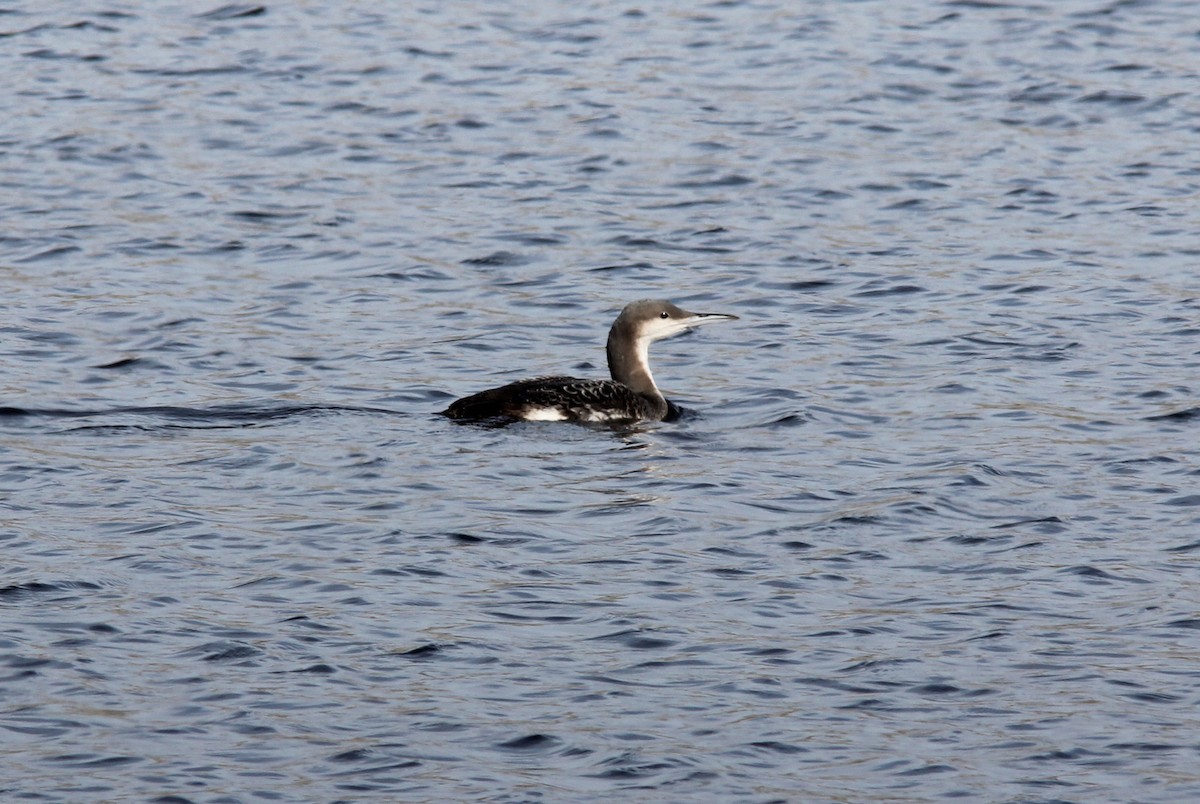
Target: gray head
(650,320)
(640,324)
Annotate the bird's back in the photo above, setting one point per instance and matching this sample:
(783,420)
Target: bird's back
(559,399)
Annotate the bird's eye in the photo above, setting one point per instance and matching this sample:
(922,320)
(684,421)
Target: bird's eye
(664,314)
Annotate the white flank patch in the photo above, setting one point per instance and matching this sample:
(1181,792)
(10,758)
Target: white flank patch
(543,415)
(602,416)
(556,415)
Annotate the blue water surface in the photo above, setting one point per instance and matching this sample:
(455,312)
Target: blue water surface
(929,529)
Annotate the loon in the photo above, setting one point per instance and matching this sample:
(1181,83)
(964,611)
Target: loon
(629,396)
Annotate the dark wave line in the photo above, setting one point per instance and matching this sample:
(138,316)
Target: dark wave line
(240,413)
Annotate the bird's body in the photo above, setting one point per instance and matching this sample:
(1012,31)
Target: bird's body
(630,395)
(558,399)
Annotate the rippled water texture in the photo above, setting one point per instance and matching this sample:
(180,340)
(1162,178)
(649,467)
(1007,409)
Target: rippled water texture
(929,529)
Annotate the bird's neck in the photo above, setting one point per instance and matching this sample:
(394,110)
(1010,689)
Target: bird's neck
(629,362)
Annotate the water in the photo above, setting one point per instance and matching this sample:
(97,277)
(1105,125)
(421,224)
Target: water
(929,530)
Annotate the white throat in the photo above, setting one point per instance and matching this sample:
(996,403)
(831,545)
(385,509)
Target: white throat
(642,349)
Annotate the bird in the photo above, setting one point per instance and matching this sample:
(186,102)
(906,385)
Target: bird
(630,396)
